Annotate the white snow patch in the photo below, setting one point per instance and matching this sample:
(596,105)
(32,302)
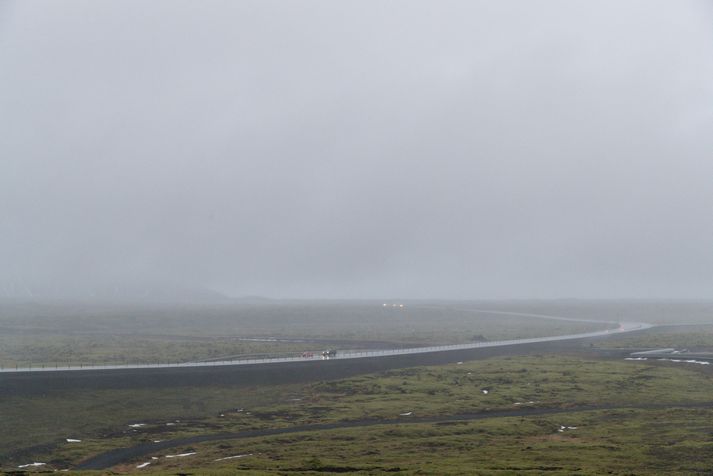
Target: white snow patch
(563,428)
(459,363)
(233,457)
(485,391)
(636,358)
(143,465)
(137,425)
(31,465)
(73,440)
(157,441)
(170,424)
(181,455)
(701,362)
(690,361)
(406,414)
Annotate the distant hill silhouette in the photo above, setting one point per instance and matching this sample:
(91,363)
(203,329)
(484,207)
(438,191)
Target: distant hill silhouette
(103,291)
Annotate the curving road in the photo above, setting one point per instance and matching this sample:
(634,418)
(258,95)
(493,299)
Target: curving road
(249,372)
(344,355)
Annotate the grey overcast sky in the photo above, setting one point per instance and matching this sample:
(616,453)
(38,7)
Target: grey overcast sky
(454,149)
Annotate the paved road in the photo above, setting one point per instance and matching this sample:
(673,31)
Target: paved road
(44,382)
(343,355)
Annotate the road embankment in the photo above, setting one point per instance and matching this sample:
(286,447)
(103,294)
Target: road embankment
(45,383)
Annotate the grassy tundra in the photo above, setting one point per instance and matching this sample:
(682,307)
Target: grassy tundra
(645,422)
(60,333)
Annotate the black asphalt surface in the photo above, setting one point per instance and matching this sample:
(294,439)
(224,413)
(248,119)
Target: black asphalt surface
(47,383)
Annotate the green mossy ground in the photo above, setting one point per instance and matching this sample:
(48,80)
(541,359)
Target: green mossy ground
(633,438)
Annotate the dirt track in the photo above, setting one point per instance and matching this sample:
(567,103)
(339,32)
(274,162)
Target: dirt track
(124,455)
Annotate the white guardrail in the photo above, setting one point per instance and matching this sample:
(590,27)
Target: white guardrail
(341,355)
